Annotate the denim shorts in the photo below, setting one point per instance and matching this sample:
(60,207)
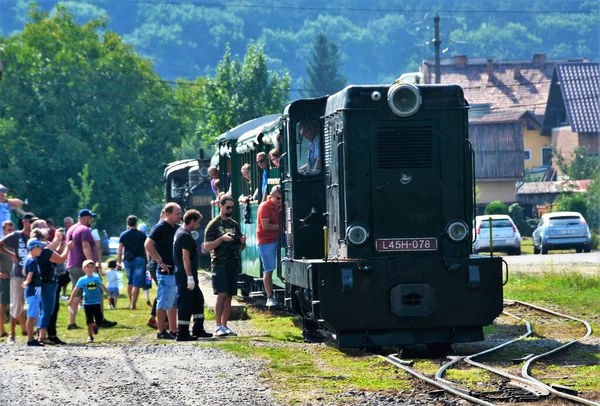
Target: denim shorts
(166,292)
(113,291)
(268,255)
(136,272)
(34,304)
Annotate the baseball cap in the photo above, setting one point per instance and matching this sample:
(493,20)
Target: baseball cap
(29,216)
(86,212)
(3,189)
(33,243)
(87,262)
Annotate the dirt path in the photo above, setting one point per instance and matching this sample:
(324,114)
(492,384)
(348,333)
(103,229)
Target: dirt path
(140,375)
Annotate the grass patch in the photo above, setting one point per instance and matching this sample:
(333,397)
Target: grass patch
(570,292)
(304,372)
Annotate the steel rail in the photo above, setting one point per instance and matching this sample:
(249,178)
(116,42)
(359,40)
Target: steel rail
(525,368)
(517,381)
(394,360)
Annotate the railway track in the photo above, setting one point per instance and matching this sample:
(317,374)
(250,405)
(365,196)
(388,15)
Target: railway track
(510,385)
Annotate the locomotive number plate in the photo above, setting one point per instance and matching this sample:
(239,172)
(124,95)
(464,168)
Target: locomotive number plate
(406,244)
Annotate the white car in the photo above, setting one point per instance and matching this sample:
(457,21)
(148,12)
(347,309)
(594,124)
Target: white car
(505,235)
(113,245)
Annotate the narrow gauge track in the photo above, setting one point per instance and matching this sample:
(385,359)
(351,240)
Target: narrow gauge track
(511,388)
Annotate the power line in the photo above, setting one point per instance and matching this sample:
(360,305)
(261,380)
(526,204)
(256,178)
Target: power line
(336,9)
(355,9)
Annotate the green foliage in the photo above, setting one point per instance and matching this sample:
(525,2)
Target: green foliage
(496,207)
(595,241)
(75,96)
(581,165)
(592,202)
(516,213)
(240,91)
(84,192)
(570,202)
(323,69)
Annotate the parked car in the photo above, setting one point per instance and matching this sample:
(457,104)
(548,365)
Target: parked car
(113,245)
(505,235)
(561,230)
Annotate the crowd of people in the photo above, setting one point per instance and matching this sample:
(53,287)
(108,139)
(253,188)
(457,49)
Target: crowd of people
(39,260)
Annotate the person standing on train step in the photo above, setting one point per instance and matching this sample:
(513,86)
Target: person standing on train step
(261,161)
(225,241)
(267,234)
(190,300)
(160,247)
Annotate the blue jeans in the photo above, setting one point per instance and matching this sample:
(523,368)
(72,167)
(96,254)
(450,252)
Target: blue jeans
(48,302)
(136,272)
(166,292)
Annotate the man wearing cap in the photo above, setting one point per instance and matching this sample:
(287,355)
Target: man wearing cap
(15,245)
(6,205)
(83,248)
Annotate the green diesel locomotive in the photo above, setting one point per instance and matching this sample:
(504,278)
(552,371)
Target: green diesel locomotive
(376,240)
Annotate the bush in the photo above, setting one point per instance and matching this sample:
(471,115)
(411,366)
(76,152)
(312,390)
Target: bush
(571,202)
(516,213)
(595,241)
(496,207)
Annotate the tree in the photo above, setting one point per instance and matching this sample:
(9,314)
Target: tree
(76,95)
(240,92)
(323,69)
(582,165)
(84,192)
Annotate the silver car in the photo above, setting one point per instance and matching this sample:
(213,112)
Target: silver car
(505,235)
(561,230)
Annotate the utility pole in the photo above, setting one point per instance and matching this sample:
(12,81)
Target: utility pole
(437,42)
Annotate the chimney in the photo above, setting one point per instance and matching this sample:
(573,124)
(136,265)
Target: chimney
(460,61)
(490,69)
(539,59)
(517,71)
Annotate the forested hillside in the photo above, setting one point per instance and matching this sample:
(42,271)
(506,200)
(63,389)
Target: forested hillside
(378,39)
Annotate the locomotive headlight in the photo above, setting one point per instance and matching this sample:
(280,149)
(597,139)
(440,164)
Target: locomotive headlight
(357,235)
(404,99)
(457,231)
(204,172)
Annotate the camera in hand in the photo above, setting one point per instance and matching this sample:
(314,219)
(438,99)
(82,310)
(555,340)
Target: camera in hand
(234,246)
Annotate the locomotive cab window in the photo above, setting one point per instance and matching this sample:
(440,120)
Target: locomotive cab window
(308,147)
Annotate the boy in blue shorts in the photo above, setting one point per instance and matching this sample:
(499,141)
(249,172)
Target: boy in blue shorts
(33,288)
(92,287)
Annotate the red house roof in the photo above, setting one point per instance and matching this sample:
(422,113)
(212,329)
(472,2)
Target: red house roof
(502,84)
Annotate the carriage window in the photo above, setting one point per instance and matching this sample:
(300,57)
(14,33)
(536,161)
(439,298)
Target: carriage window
(308,147)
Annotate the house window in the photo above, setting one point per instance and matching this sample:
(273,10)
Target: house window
(546,156)
(527,154)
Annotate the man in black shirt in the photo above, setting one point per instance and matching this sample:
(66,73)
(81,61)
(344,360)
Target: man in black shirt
(160,247)
(132,242)
(190,300)
(225,240)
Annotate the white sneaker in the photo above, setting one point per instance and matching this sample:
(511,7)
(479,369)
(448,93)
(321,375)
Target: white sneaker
(271,302)
(221,331)
(230,332)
